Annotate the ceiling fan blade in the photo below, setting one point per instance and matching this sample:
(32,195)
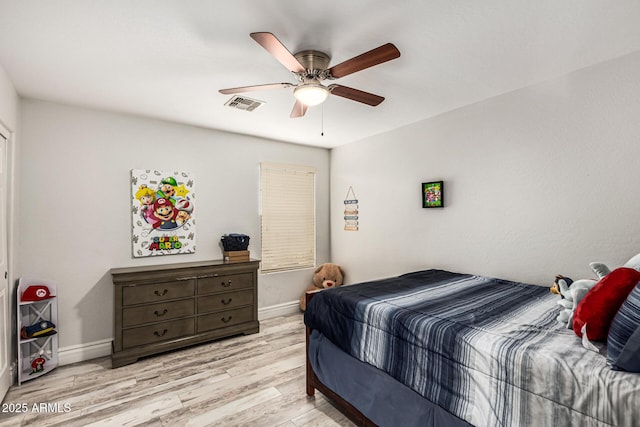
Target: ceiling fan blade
(272,45)
(376,56)
(233,90)
(356,95)
(298,110)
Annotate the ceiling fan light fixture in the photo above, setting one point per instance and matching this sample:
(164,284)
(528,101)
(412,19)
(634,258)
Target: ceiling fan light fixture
(311,93)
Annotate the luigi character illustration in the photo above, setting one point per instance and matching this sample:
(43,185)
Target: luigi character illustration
(167,189)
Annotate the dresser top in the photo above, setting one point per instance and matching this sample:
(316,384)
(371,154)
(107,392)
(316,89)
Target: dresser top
(174,266)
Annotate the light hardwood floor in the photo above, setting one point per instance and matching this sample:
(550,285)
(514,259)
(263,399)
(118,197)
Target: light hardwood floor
(253,380)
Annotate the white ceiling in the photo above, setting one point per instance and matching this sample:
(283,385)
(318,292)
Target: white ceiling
(167,58)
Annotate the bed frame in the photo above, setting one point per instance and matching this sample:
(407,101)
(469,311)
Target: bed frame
(313,384)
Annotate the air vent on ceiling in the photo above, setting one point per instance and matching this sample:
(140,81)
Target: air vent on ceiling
(243,103)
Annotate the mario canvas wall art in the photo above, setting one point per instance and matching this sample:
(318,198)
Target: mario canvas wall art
(162,213)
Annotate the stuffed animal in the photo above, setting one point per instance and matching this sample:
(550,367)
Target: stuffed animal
(555,288)
(571,293)
(602,270)
(326,276)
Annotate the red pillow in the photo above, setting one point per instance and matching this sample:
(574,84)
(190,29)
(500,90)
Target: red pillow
(600,305)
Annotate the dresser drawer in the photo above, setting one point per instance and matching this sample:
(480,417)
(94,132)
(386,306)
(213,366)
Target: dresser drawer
(157,332)
(132,316)
(223,319)
(224,301)
(226,282)
(157,292)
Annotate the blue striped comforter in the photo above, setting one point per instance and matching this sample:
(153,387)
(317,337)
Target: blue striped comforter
(487,350)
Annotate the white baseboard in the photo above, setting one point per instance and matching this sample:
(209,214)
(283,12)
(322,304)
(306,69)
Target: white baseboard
(93,350)
(82,352)
(283,309)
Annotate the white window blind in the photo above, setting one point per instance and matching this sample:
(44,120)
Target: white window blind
(287,199)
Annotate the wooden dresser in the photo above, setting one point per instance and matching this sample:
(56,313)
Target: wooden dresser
(169,306)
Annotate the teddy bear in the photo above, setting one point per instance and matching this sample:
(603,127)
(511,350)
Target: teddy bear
(571,293)
(327,275)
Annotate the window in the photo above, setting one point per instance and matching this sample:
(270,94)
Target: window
(287,199)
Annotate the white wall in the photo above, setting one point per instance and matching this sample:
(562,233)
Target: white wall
(75,223)
(8,102)
(539,181)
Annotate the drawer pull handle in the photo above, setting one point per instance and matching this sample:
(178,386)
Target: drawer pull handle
(160,334)
(226,319)
(161,294)
(227,301)
(226,285)
(160,314)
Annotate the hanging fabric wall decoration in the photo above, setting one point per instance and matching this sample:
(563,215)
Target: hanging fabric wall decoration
(351,211)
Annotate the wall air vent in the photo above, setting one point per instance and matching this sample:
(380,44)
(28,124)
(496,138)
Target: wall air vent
(243,103)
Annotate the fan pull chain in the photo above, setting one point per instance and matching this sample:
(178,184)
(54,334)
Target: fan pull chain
(322,120)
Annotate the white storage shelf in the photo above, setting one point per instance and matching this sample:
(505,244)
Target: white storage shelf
(39,355)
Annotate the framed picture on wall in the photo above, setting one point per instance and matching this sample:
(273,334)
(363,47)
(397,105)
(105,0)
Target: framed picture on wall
(162,209)
(433,194)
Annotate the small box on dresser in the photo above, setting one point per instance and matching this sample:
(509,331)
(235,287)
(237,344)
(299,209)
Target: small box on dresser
(170,306)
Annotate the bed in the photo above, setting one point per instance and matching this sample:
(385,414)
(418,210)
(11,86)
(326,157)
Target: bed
(437,348)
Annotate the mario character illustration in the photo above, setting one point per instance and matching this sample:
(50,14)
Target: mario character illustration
(165,213)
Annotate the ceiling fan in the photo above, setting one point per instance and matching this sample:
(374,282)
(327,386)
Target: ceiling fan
(311,67)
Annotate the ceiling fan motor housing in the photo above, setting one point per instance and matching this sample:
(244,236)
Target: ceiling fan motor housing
(315,64)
